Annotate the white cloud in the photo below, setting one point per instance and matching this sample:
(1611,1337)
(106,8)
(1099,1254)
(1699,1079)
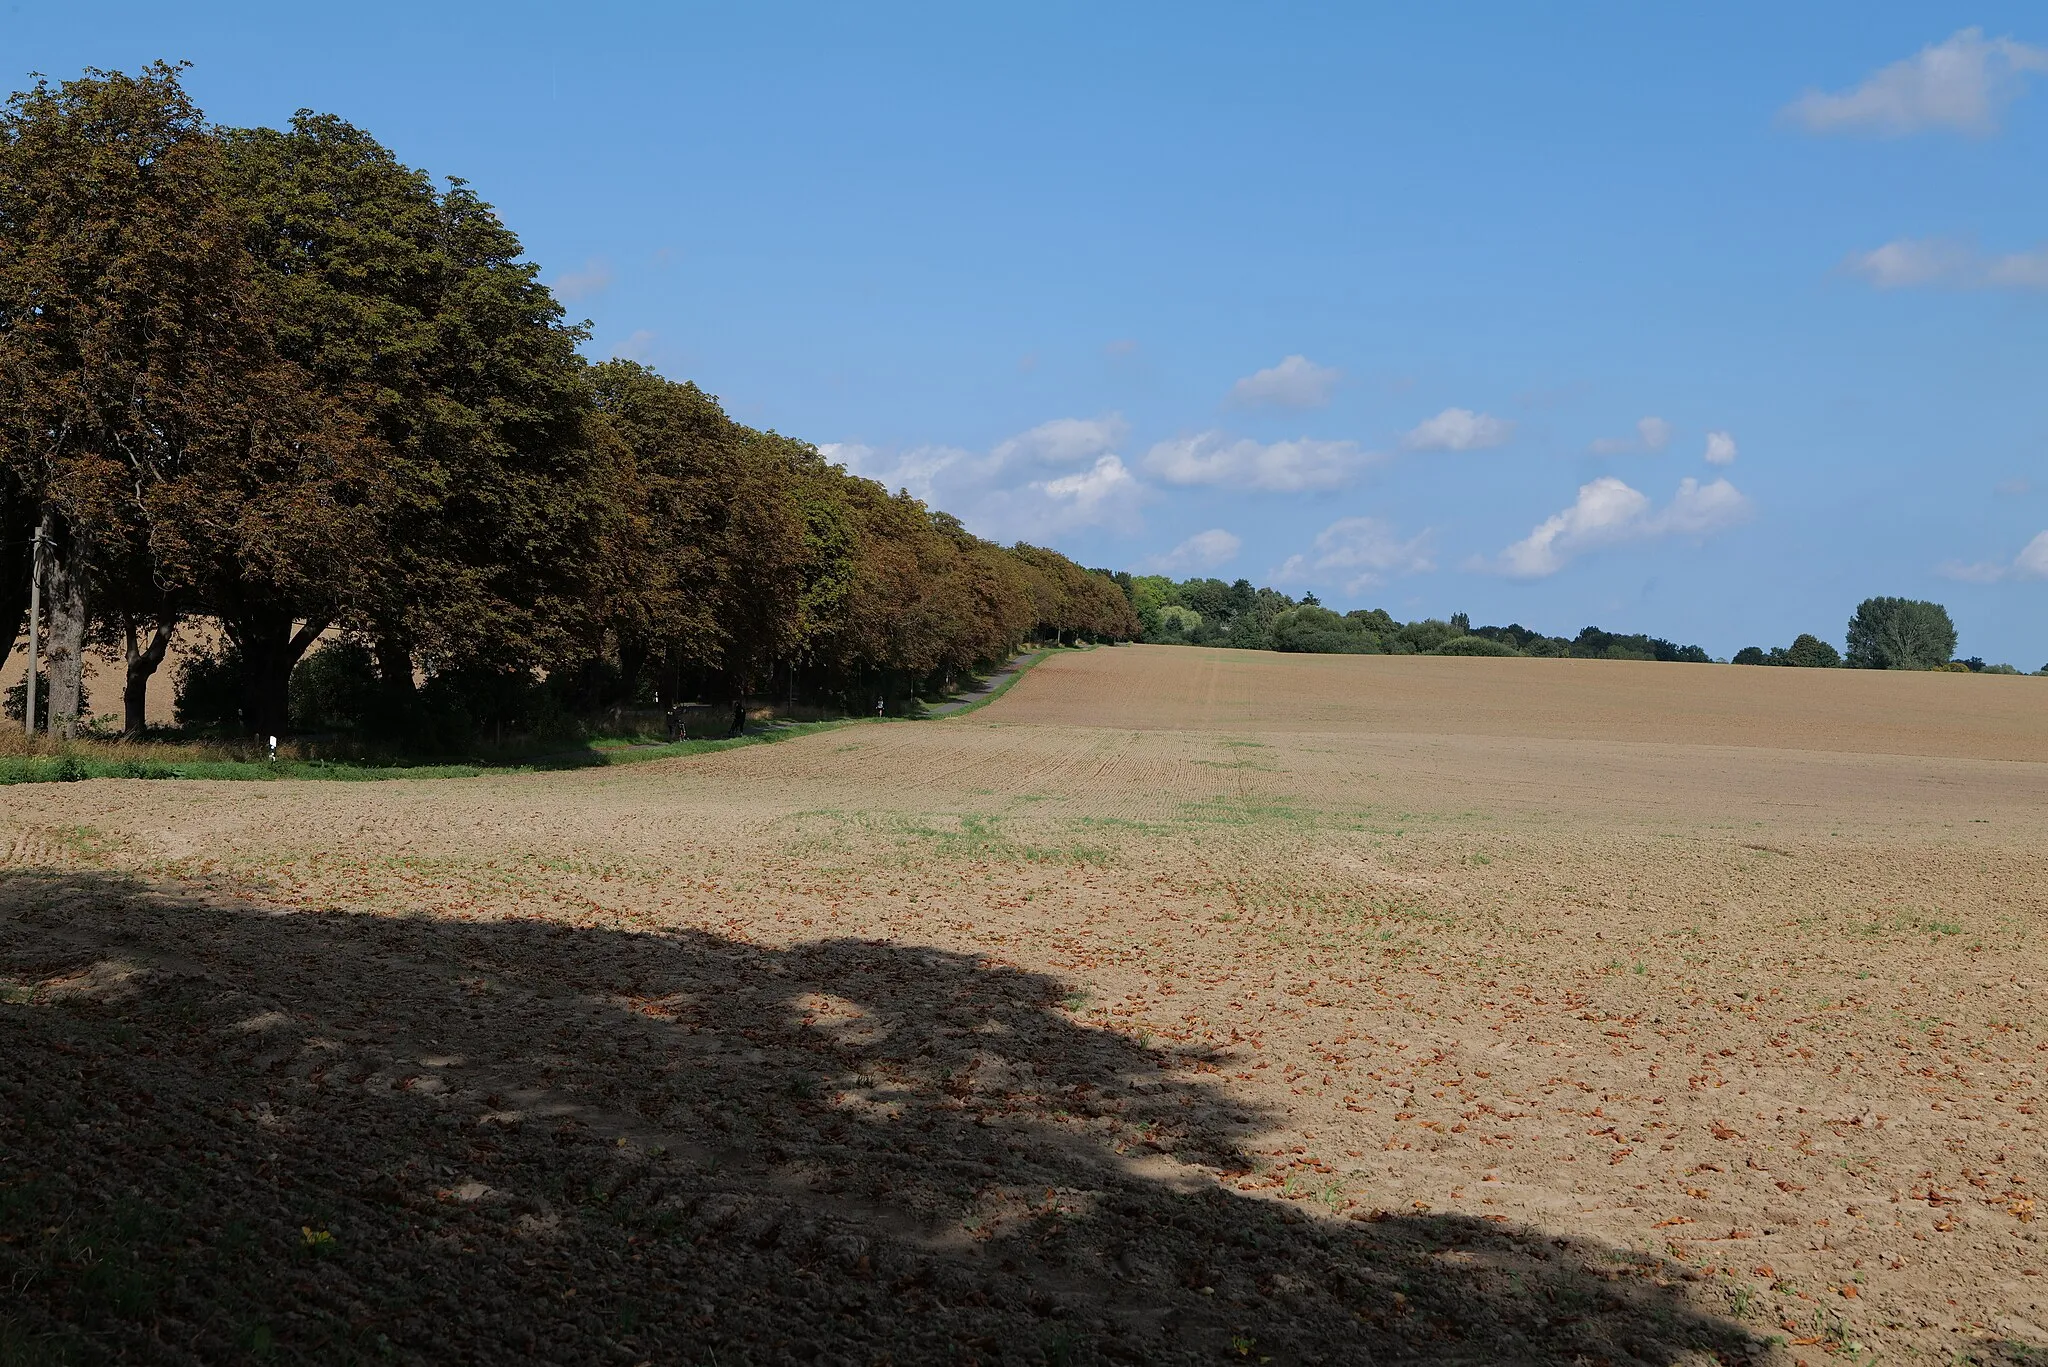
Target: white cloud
(920,470)
(1652,435)
(2030,563)
(1720,449)
(1607,512)
(1364,550)
(1088,494)
(1212,458)
(1064,441)
(594,279)
(1296,382)
(1699,510)
(1458,429)
(1007,493)
(1202,551)
(1960,84)
(1911,262)
(637,347)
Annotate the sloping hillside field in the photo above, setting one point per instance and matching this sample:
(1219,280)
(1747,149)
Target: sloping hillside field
(1181,1005)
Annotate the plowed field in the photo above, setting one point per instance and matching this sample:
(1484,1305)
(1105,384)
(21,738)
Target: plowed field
(1181,1005)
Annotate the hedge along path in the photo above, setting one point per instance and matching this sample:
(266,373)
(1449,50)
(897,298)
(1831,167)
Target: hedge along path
(1754,1026)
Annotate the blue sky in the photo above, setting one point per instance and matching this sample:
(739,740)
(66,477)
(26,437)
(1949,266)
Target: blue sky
(1436,308)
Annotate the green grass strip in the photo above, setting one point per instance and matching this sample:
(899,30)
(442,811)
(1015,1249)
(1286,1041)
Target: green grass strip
(596,754)
(64,768)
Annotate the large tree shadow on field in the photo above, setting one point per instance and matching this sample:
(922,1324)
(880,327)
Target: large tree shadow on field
(236,1134)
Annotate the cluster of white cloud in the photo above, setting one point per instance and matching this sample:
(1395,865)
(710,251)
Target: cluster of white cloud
(1063,441)
(1280,466)
(1961,84)
(2030,563)
(1068,475)
(639,346)
(1458,429)
(1652,435)
(1365,550)
(1011,491)
(1202,551)
(1608,512)
(594,279)
(1297,382)
(1910,262)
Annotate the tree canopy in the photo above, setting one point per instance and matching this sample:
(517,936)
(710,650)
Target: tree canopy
(279,379)
(1900,633)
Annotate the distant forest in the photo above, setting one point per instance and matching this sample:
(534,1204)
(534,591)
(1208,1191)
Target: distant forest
(1884,633)
(1210,612)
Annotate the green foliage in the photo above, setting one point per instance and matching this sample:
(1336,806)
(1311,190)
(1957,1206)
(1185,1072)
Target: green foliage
(1211,612)
(1174,623)
(1425,637)
(1806,652)
(1810,652)
(1900,633)
(335,688)
(15,707)
(1316,630)
(1594,644)
(1475,645)
(209,692)
(323,389)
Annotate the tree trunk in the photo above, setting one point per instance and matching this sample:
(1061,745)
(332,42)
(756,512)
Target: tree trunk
(64,568)
(270,649)
(632,663)
(142,666)
(395,686)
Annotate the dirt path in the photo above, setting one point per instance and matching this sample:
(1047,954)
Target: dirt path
(981,692)
(1279,1027)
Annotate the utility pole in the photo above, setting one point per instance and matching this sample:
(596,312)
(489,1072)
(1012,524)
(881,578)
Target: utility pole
(35,627)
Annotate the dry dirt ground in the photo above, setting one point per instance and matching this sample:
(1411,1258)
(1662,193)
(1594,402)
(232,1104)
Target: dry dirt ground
(1180,1006)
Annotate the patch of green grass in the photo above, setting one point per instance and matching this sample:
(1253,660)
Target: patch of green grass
(1117,823)
(1907,923)
(71,767)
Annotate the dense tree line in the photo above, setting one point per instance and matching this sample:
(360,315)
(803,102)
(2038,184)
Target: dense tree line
(277,379)
(1884,633)
(1211,612)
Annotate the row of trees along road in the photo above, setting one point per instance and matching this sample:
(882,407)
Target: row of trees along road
(278,379)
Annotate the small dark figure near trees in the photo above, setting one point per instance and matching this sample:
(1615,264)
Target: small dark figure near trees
(739,718)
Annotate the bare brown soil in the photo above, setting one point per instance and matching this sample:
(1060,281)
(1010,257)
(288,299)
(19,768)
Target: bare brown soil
(1179,1006)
